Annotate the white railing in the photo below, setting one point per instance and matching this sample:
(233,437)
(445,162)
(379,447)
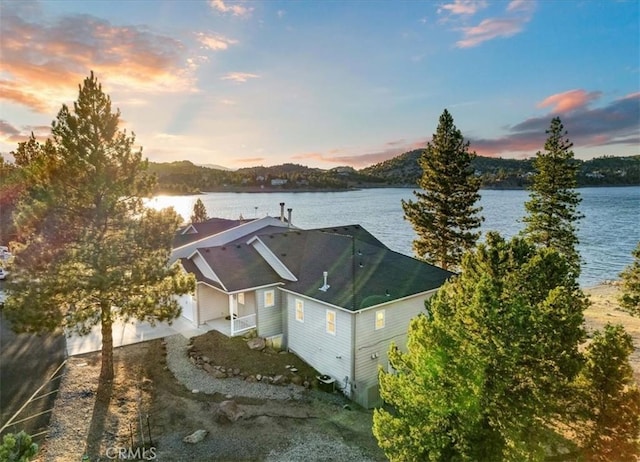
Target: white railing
(239,325)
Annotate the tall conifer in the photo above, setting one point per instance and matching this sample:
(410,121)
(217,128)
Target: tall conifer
(88,251)
(444,215)
(552,210)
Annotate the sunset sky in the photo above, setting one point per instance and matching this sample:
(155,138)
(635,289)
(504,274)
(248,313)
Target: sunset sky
(328,83)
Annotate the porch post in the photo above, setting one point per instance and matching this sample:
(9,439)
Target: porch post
(231,313)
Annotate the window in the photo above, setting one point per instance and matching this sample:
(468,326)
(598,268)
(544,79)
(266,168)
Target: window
(269,298)
(331,322)
(379,319)
(241,298)
(299,310)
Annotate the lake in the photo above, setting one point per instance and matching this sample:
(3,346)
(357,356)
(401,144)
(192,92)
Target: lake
(608,233)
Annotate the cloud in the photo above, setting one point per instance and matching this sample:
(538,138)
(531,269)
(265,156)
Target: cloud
(215,41)
(235,10)
(250,160)
(614,124)
(12,135)
(44,61)
(463,7)
(518,14)
(569,100)
(239,77)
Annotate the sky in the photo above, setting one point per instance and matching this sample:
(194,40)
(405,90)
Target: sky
(328,83)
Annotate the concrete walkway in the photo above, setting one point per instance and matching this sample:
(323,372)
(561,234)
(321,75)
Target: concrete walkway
(132,332)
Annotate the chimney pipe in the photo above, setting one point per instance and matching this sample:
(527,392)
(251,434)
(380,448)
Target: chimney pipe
(325,286)
(282,212)
(289,210)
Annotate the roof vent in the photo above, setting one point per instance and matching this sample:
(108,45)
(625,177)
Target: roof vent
(325,286)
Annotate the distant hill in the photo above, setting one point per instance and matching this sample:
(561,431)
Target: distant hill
(502,173)
(215,166)
(186,178)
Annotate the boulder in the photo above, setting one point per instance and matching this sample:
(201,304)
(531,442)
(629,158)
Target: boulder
(296,380)
(195,437)
(279,380)
(217,374)
(256,343)
(205,359)
(231,410)
(208,367)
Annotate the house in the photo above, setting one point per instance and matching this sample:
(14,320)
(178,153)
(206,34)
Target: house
(337,297)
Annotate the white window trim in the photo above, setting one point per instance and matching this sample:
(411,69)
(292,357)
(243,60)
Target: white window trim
(299,310)
(335,321)
(273,298)
(384,319)
(241,298)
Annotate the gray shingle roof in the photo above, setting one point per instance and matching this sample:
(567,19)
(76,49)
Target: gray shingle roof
(205,228)
(362,271)
(239,266)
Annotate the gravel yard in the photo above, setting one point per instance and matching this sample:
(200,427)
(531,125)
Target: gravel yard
(158,379)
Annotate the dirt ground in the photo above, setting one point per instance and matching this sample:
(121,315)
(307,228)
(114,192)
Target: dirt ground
(319,427)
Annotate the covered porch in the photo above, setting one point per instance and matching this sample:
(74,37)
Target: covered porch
(230,314)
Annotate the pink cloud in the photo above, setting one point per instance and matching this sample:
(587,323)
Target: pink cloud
(215,41)
(518,12)
(240,77)
(569,100)
(249,160)
(235,10)
(43,62)
(463,7)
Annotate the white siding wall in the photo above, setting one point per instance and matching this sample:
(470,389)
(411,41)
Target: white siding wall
(327,353)
(188,306)
(372,345)
(269,319)
(212,303)
(249,306)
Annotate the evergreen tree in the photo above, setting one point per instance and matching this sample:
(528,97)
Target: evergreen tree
(630,298)
(88,251)
(17,447)
(611,399)
(552,208)
(199,212)
(444,215)
(487,370)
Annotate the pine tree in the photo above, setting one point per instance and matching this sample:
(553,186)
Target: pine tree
(444,215)
(630,296)
(552,208)
(486,372)
(88,252)
(199,212)
(611,399)
(17,447)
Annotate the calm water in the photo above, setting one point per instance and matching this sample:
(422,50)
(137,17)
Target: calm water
(608,233)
